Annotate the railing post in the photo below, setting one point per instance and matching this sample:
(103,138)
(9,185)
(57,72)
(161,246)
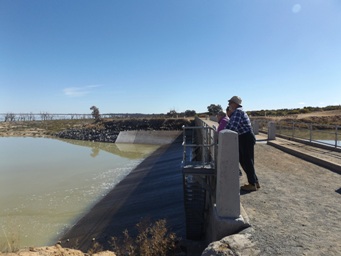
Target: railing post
(293,130)
(336,138)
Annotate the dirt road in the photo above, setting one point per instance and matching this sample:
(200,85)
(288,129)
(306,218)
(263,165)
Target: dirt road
(297,211)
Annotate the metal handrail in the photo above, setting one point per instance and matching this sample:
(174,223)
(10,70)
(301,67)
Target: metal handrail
(206,145)
(316,133)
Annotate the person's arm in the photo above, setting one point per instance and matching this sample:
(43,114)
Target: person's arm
(222,124)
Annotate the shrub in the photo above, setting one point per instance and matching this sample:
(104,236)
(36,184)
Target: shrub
(152,240)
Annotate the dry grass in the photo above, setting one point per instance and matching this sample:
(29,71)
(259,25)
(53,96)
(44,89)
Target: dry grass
(11,243)
(40,128)
(330,117)
(153,239)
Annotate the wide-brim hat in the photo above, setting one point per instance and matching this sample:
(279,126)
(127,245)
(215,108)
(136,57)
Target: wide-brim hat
(237,100)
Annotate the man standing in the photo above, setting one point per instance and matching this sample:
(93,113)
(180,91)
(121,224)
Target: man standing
(240,123)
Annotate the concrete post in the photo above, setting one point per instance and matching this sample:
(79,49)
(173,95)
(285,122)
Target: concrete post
(271,131)
(227,190)
(255,127)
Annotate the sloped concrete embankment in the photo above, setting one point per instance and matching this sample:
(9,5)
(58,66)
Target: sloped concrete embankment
(153,190)
(148,137)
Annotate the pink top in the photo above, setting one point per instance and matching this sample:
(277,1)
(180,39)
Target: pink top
(222,123)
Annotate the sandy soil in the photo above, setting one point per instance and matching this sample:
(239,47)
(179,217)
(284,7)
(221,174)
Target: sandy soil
(8,129)
(297,210)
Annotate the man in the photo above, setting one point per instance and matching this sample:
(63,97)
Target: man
(240,123)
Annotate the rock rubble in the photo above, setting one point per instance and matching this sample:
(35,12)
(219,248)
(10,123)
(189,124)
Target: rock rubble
(108,131)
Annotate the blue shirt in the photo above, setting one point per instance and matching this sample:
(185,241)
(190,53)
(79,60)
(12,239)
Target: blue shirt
(239,122)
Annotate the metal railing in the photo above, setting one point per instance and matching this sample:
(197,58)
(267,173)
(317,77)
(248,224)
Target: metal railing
(328,135)
(202,148)
(199,177)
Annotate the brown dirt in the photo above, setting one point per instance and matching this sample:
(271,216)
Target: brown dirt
(297,210)
(55,250)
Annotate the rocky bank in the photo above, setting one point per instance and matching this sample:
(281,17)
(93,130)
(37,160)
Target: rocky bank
(107,131)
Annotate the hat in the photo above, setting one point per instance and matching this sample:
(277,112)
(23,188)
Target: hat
(237,100)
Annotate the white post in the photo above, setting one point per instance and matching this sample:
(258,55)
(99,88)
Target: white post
(227,190)
(255,127)
(271,131)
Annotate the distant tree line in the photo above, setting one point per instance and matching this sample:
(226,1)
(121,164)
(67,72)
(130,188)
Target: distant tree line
(214,109)
(187,113)
(295,111)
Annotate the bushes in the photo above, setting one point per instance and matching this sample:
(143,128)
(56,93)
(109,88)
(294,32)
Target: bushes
(153,239)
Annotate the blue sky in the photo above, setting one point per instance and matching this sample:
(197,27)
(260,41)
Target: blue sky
(153,56)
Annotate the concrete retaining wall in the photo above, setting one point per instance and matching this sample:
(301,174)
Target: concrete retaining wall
(148,137)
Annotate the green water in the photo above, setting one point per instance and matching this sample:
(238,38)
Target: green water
(46,185)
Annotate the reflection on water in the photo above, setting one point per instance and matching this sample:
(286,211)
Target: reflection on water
(47,184)
(132,151)
(331,143)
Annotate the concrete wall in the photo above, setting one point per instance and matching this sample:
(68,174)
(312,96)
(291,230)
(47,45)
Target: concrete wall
(148,137)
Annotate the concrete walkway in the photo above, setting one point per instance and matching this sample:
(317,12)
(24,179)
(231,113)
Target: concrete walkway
(297,209)
(324,157)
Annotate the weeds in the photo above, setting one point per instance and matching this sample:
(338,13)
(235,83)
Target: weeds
(152,240)
(11,243)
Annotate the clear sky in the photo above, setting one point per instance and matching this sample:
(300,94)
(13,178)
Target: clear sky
(153,56)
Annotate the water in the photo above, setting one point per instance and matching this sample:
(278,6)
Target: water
(330,142)
(46,185)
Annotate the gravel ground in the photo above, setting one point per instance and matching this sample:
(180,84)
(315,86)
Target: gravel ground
(297,210)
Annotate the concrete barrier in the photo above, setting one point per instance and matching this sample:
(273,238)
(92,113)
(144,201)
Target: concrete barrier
(255,127)
(148,137)
(271,130)
(226,218)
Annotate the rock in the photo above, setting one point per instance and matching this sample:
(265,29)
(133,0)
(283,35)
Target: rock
(238,244)
(108,131)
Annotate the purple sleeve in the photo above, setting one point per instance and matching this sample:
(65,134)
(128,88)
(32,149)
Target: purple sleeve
(222,124)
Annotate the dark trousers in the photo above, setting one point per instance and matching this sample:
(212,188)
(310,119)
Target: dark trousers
(247,143)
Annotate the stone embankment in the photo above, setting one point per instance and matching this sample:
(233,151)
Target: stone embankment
(108,131)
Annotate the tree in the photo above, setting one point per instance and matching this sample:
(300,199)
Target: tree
(214,109)
(172,113)
(190,113)
(9,117)
(95,113)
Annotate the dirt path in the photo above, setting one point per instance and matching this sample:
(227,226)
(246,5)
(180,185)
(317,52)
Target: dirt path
(297,211)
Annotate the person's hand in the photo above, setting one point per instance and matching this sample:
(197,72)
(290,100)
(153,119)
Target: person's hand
(229,111)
